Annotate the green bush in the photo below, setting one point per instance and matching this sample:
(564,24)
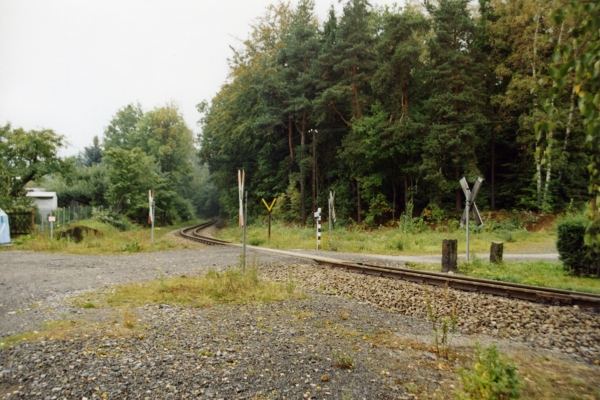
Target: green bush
(112,218)
(575,256)
(490,376)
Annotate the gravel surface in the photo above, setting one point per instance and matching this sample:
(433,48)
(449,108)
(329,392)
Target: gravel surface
(567,329)
(291,349)
(29,278)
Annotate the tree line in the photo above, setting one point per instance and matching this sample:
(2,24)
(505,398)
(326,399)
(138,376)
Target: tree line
(138,151)
(391,106)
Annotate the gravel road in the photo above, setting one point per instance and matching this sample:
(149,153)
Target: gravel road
(289,349)
(28,278)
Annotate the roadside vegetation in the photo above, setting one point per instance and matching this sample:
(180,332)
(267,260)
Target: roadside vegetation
(537,273)
(415,237)
(98,237)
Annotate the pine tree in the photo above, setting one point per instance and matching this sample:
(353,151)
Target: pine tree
(456,98)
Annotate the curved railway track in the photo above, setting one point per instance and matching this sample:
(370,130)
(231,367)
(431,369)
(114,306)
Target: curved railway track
(498,288)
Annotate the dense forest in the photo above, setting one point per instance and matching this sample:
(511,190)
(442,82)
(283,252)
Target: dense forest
(393,106)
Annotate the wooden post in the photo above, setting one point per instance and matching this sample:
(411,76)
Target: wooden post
(32,220)
(449,255)
(269,213)
(496,251)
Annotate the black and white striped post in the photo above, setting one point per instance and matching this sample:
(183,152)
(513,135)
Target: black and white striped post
(318,218)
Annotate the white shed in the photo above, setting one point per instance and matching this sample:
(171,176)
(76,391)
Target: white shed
(45,201)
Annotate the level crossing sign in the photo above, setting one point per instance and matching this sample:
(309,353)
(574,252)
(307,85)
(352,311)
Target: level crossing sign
(470,197)
(470,206)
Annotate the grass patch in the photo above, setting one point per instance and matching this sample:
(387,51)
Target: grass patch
(546,378)
(229,287)
(121,326)
(536,273)
(109,240)
(391,240)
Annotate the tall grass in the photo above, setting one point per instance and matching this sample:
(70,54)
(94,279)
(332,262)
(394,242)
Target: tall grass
(107,240)
(536,273)
(391,241)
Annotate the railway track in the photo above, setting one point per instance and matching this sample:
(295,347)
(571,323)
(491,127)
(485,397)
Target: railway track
(465,283)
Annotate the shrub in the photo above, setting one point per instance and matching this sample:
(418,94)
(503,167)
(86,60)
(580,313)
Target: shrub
(490,376)
(573,253)
(256,241)
(133,247)
(112,218)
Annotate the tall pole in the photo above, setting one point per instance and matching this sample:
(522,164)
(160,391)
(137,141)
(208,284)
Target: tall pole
(329,220)
(269,213)
(467,223)
(245,221)
(153,212)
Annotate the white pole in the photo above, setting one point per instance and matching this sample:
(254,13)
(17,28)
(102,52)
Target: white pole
(467,221)
(245,221)
(152,210)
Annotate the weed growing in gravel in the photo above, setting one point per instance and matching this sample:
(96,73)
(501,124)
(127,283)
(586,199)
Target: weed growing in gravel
(342,361)
(444,327)
(490,377)
(231,286)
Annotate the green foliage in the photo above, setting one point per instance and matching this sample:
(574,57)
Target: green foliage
(444,328)
(121,133)
(409,224)
(579,60)
(84,184)
(132,173)
(112,218)
(133,247)
(404,101)
(570,245)
(256,241)
(343,361)
(26,156)
(490,377)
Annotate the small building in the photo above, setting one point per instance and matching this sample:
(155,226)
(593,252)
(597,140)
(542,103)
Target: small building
(4,228)
(46,202)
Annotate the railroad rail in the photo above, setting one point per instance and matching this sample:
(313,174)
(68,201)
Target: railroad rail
(460,282)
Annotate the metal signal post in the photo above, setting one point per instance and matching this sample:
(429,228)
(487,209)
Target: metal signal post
(243,216)
(151,212)
(269,208)
(470,206)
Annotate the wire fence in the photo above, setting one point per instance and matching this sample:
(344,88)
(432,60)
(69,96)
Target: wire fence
(62,216)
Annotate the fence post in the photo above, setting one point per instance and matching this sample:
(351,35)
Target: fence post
(32,220)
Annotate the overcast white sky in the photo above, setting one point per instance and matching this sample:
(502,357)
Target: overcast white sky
(70,65)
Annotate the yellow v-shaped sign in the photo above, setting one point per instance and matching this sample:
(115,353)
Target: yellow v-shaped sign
(269,207)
